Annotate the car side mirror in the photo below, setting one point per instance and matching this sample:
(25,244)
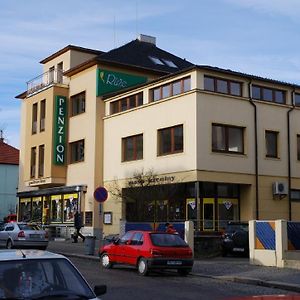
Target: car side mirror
(128,243)
(100,290)
(116,241)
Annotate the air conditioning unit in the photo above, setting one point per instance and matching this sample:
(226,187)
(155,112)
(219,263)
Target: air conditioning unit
(280,188)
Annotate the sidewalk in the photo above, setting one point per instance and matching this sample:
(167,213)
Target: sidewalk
(230,268)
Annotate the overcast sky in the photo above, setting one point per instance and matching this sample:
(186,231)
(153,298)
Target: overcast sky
(259,37)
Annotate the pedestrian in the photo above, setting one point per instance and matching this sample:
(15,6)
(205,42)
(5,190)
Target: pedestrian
(78,225)
(170,228)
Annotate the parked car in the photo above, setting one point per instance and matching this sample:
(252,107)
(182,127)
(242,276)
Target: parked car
(148,250)
(22,235)
(36,274)
(10,218)
(235,238)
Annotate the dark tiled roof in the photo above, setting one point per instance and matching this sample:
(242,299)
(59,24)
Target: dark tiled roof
(8,154)
(138,53)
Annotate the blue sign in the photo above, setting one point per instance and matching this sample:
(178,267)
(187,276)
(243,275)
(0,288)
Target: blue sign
(100,194)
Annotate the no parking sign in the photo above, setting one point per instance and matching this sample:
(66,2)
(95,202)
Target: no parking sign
(100,194)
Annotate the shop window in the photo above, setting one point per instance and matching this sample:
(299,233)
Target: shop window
(25,210)
(268,94)
(77,151)
(271,144)
(46,210)
(33,162)
(34,118)
(223,86)
(132,148)
(227,211)
(70,205)
(56,209)
(36,209)
(88,218)
(78,104)
(42,115)
(227,139)
(41,160)
(170,140)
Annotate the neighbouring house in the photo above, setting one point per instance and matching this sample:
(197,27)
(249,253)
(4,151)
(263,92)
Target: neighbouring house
(9,174)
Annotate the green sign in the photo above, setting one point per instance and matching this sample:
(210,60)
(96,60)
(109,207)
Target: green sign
(108,81)
(59,135)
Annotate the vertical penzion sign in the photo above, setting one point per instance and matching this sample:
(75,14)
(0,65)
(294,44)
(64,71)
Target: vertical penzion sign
(60,124)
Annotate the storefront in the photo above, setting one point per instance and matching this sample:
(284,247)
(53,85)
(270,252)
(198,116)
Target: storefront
(53,206)
(209,205)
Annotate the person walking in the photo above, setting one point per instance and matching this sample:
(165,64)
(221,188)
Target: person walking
(78,225)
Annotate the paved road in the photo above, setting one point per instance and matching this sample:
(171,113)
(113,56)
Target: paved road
(124,283)
(226,269)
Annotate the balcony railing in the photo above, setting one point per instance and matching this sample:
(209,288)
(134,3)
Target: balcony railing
(48,78)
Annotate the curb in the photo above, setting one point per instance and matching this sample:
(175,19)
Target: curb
(253,281)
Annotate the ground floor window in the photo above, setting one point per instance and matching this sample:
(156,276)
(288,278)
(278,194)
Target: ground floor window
(217,204)
(49,209)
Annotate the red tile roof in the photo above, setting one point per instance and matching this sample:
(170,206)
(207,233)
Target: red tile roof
(8,154)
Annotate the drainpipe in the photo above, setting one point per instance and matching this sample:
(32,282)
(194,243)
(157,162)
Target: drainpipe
(289,153)
(256,151)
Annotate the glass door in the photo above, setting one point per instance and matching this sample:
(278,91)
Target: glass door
(209,214)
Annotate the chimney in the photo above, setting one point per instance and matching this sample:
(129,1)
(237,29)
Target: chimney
(1,136)
(147,39)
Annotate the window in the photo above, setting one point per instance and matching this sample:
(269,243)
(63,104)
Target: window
(171,89)
(51,74)
(41,160)
(297,99)
(77,151)
(170,140)
(132,147)
(295,195)
(268,94)
(34,118)
(227,139)
(126,103)
(298,146)
(43,115)
(271,144)
(223,86)
(33,162)
(78,104)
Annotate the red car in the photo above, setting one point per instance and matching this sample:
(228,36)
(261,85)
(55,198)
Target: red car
(148,250)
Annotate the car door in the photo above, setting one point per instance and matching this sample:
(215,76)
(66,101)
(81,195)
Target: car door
(134,247)
(7,233)
(122,250)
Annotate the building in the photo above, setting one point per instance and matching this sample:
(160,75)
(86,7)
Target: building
(9,173)
(62,127)
(169,140)
(220,145)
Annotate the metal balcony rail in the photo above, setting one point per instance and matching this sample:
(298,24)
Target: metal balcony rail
(53,76)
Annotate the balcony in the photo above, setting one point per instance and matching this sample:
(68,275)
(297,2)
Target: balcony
(53,76)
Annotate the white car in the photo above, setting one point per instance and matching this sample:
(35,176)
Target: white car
(23,235)
(36,274)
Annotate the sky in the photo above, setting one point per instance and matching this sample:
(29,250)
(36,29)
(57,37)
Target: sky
(257,37)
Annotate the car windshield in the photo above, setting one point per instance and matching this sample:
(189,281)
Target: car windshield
(41,279)
(29,227)
(167,240)
(237,227)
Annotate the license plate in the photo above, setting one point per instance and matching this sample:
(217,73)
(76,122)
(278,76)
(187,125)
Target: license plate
(238,249)
(35,236)
(174,262)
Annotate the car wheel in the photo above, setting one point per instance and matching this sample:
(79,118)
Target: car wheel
(105,261)
(142,267)
(43,248)
(9,244)
(224,252)
(183,272)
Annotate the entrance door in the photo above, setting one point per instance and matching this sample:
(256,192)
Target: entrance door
(209,214)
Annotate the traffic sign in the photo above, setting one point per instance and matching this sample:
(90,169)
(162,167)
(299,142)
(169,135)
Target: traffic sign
(100,194)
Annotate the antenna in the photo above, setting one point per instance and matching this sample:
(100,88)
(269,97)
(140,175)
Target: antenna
(136,18)
(1,135)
